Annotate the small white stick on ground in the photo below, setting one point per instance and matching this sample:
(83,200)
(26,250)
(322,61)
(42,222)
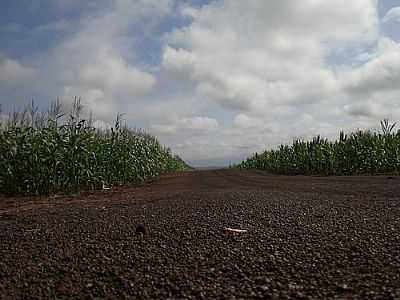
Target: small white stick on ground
(233,230)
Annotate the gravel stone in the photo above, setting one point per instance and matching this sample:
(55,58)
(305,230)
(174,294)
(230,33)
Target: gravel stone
(307,238)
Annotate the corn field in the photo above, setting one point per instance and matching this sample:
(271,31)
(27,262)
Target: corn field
(360,152)
(45,153)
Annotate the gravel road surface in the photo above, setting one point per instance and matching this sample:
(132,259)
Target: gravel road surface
(306,238)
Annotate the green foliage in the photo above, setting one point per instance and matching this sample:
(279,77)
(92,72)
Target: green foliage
(41,154)
(361,152)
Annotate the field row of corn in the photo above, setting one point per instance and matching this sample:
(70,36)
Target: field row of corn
(42,153)
(361,152)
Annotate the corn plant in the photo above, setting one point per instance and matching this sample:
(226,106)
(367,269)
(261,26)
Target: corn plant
(360,152)
(42,153)
(387,128)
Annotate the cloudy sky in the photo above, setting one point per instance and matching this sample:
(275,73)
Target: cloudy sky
(214,80)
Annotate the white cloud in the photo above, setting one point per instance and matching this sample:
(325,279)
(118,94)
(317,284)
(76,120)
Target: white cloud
(393,15)
(162,129)
(240,77)
(199,123)
(97,62)
(192,125)
(112,74)
(246,122)
(270,63)
(13,73)
(380,73)
(249,56)
(373,88)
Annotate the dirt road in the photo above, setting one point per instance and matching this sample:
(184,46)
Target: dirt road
(306,238)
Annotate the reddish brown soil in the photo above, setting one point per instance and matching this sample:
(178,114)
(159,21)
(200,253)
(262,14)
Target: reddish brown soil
(307,237)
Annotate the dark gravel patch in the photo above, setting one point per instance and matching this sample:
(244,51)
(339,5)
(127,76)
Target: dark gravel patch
(307,238)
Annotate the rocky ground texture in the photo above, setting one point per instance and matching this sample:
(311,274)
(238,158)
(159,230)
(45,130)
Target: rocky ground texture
(306,238)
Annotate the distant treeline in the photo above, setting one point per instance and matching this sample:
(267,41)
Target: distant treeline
(43,153)
(360,152)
